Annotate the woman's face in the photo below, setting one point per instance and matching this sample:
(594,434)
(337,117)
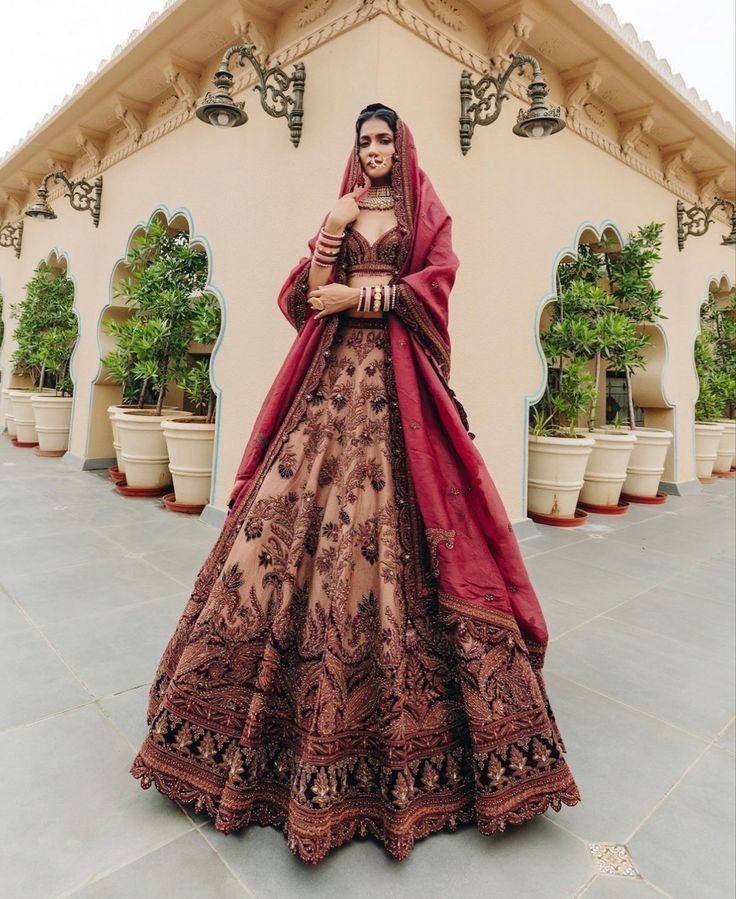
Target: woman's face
(376,150)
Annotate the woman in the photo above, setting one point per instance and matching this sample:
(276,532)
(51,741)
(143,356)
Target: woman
(362,651)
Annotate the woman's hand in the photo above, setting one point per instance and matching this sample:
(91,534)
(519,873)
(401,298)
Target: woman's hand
(346,210)
(336,297)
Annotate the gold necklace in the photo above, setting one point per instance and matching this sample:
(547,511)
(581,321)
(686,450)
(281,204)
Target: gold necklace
(377,198)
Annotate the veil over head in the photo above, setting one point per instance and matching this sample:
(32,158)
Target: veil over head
(476,560)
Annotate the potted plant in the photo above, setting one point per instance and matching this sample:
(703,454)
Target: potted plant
(603,333)
(6,411)
(718,327)
(133,340)
(709,406)
(190,443)
(53,411)
(45,337)
(558,453)
(626,276)
(163,290)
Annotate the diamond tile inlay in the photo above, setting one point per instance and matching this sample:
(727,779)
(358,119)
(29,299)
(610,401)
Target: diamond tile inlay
(613,858)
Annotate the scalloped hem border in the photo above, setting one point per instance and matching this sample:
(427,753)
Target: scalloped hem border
(313,850)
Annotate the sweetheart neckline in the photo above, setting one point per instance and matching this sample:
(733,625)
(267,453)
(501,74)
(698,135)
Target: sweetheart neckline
(378,240)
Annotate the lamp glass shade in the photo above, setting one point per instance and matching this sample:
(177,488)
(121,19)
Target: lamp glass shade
(40,210)
(221,112)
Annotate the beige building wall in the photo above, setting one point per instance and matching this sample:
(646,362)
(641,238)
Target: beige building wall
(252,200)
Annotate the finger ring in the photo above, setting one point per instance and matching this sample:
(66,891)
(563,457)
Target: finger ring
(318,303)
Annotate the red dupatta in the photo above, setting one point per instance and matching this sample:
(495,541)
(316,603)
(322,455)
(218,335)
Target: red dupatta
(475,553)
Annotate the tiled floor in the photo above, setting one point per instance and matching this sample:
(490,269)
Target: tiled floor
(640,673)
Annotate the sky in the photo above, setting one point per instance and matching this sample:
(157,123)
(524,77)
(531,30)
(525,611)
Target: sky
(63,42)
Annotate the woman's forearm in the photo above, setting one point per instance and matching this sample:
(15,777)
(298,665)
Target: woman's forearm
(319,275)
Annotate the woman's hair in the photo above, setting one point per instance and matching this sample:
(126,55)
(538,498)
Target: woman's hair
(377,111)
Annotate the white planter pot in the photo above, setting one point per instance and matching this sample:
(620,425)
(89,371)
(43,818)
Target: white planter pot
(707,437)
(53,416)
(646,465)
(25,423)
(112,412)
(556,470)
(726,452)
(8,412)
(605,471)
(143,447)
(190,445)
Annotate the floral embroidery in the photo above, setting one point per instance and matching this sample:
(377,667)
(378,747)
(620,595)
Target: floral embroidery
(315,680)
(433,537)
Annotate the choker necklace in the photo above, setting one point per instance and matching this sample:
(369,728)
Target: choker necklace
(377,198)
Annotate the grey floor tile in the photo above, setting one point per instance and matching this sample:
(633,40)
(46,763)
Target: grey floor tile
(187,868)
(550,538)
(182,563)
(695,823)
(562,616)
(157,536)
(667,678)
(76,811)
(128,711)
(710,578)
(727,739)
(698,536)
(12,619)
(80,590)
(703,623)
(35,681)
(361,869)
(650,566)
(67,547)
(610,749)
(609,887)
(118,650)
(578,583)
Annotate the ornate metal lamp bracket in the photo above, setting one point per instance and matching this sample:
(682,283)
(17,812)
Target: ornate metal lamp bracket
(11,235)
(480,103)
(694,222)
(84,196)
(281,95)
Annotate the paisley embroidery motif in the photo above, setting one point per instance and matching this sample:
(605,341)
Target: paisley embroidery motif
(316,680)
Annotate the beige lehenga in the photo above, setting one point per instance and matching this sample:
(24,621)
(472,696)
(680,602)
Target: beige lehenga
(320,686)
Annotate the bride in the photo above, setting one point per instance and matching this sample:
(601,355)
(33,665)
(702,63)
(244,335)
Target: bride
(362,650)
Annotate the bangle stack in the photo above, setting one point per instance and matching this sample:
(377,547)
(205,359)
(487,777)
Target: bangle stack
(381,298)
(327,249)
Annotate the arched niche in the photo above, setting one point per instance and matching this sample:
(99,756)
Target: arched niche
(723,291)
(106,391)
(651,406)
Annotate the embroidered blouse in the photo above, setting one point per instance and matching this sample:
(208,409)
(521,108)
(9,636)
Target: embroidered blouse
(380,258)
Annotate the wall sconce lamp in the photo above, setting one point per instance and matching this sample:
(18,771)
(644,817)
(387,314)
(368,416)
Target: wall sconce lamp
(11,235)
(694,222)
(83,196)
(219,108)
(537,121)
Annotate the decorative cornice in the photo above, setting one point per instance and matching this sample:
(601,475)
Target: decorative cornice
(633,125)
(133,116)
(426,30)
(311,11)
(506,36)
(183,78)
(104,62)
(581,83)
(644,50)
(92,144)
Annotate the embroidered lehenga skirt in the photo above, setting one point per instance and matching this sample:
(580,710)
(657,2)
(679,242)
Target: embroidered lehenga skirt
(318,685)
